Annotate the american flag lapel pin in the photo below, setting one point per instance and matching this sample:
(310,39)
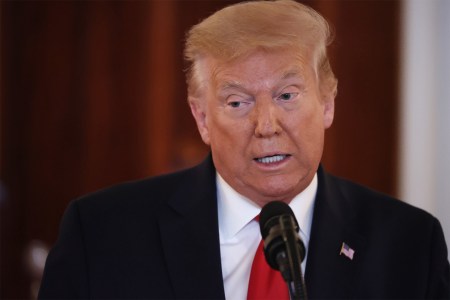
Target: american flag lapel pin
(347,251)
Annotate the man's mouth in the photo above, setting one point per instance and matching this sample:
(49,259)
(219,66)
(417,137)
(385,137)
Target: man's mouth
(272,159)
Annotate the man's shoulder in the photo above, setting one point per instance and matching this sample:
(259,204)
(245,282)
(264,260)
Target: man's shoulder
(134,197)
(370,203)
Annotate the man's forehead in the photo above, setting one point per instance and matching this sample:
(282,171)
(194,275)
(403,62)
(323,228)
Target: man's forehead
(236,76)
(231,81)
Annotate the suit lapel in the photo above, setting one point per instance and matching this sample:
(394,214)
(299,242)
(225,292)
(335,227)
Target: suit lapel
(331,272)
(190,236)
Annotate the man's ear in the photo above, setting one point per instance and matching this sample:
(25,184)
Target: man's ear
(328,107)
(198,109)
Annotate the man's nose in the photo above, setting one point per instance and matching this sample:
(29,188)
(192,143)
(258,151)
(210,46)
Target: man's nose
(266,118)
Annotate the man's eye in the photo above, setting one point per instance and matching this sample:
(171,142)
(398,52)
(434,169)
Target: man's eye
(235,104)
(286,96)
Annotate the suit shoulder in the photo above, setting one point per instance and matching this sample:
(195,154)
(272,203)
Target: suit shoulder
(379,204)
(149,192)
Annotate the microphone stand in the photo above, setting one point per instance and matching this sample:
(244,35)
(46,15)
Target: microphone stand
(290,261)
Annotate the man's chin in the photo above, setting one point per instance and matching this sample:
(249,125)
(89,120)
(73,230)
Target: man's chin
(276,193)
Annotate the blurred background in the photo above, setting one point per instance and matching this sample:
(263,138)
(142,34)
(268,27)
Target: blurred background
(93,93)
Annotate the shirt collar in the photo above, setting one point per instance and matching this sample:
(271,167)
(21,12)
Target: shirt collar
(303,205)
(236,211)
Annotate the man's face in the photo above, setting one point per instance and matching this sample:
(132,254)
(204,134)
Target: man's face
(264,118)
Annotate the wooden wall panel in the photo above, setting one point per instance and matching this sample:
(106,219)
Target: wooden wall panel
(362,143)
(93,93)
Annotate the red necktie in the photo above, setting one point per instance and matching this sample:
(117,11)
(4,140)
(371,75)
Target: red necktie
(265,282)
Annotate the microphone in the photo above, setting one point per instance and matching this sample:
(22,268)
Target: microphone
(283,248)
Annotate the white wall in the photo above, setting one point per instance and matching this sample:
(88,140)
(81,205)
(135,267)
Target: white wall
(425,108)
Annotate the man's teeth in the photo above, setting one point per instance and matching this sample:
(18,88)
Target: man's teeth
(271,159)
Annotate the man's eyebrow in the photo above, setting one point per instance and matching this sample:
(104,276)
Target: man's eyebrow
(292,74)
(236,85)
(227,85)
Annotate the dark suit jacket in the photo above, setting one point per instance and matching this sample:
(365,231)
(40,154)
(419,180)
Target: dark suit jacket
(158,239)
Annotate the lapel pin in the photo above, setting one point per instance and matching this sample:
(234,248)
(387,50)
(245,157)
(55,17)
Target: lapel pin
(347,251)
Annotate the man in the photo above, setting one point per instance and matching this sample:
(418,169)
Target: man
(262,93)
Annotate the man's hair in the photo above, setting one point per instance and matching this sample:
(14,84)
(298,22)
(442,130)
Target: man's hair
(243,28)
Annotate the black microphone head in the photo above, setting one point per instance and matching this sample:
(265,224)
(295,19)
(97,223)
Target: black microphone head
(279,230)
(269,212)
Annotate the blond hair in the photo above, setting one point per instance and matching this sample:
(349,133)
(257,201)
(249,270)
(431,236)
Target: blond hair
(240,29)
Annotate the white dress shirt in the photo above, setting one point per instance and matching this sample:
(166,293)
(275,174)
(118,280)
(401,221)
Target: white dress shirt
(240,235)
